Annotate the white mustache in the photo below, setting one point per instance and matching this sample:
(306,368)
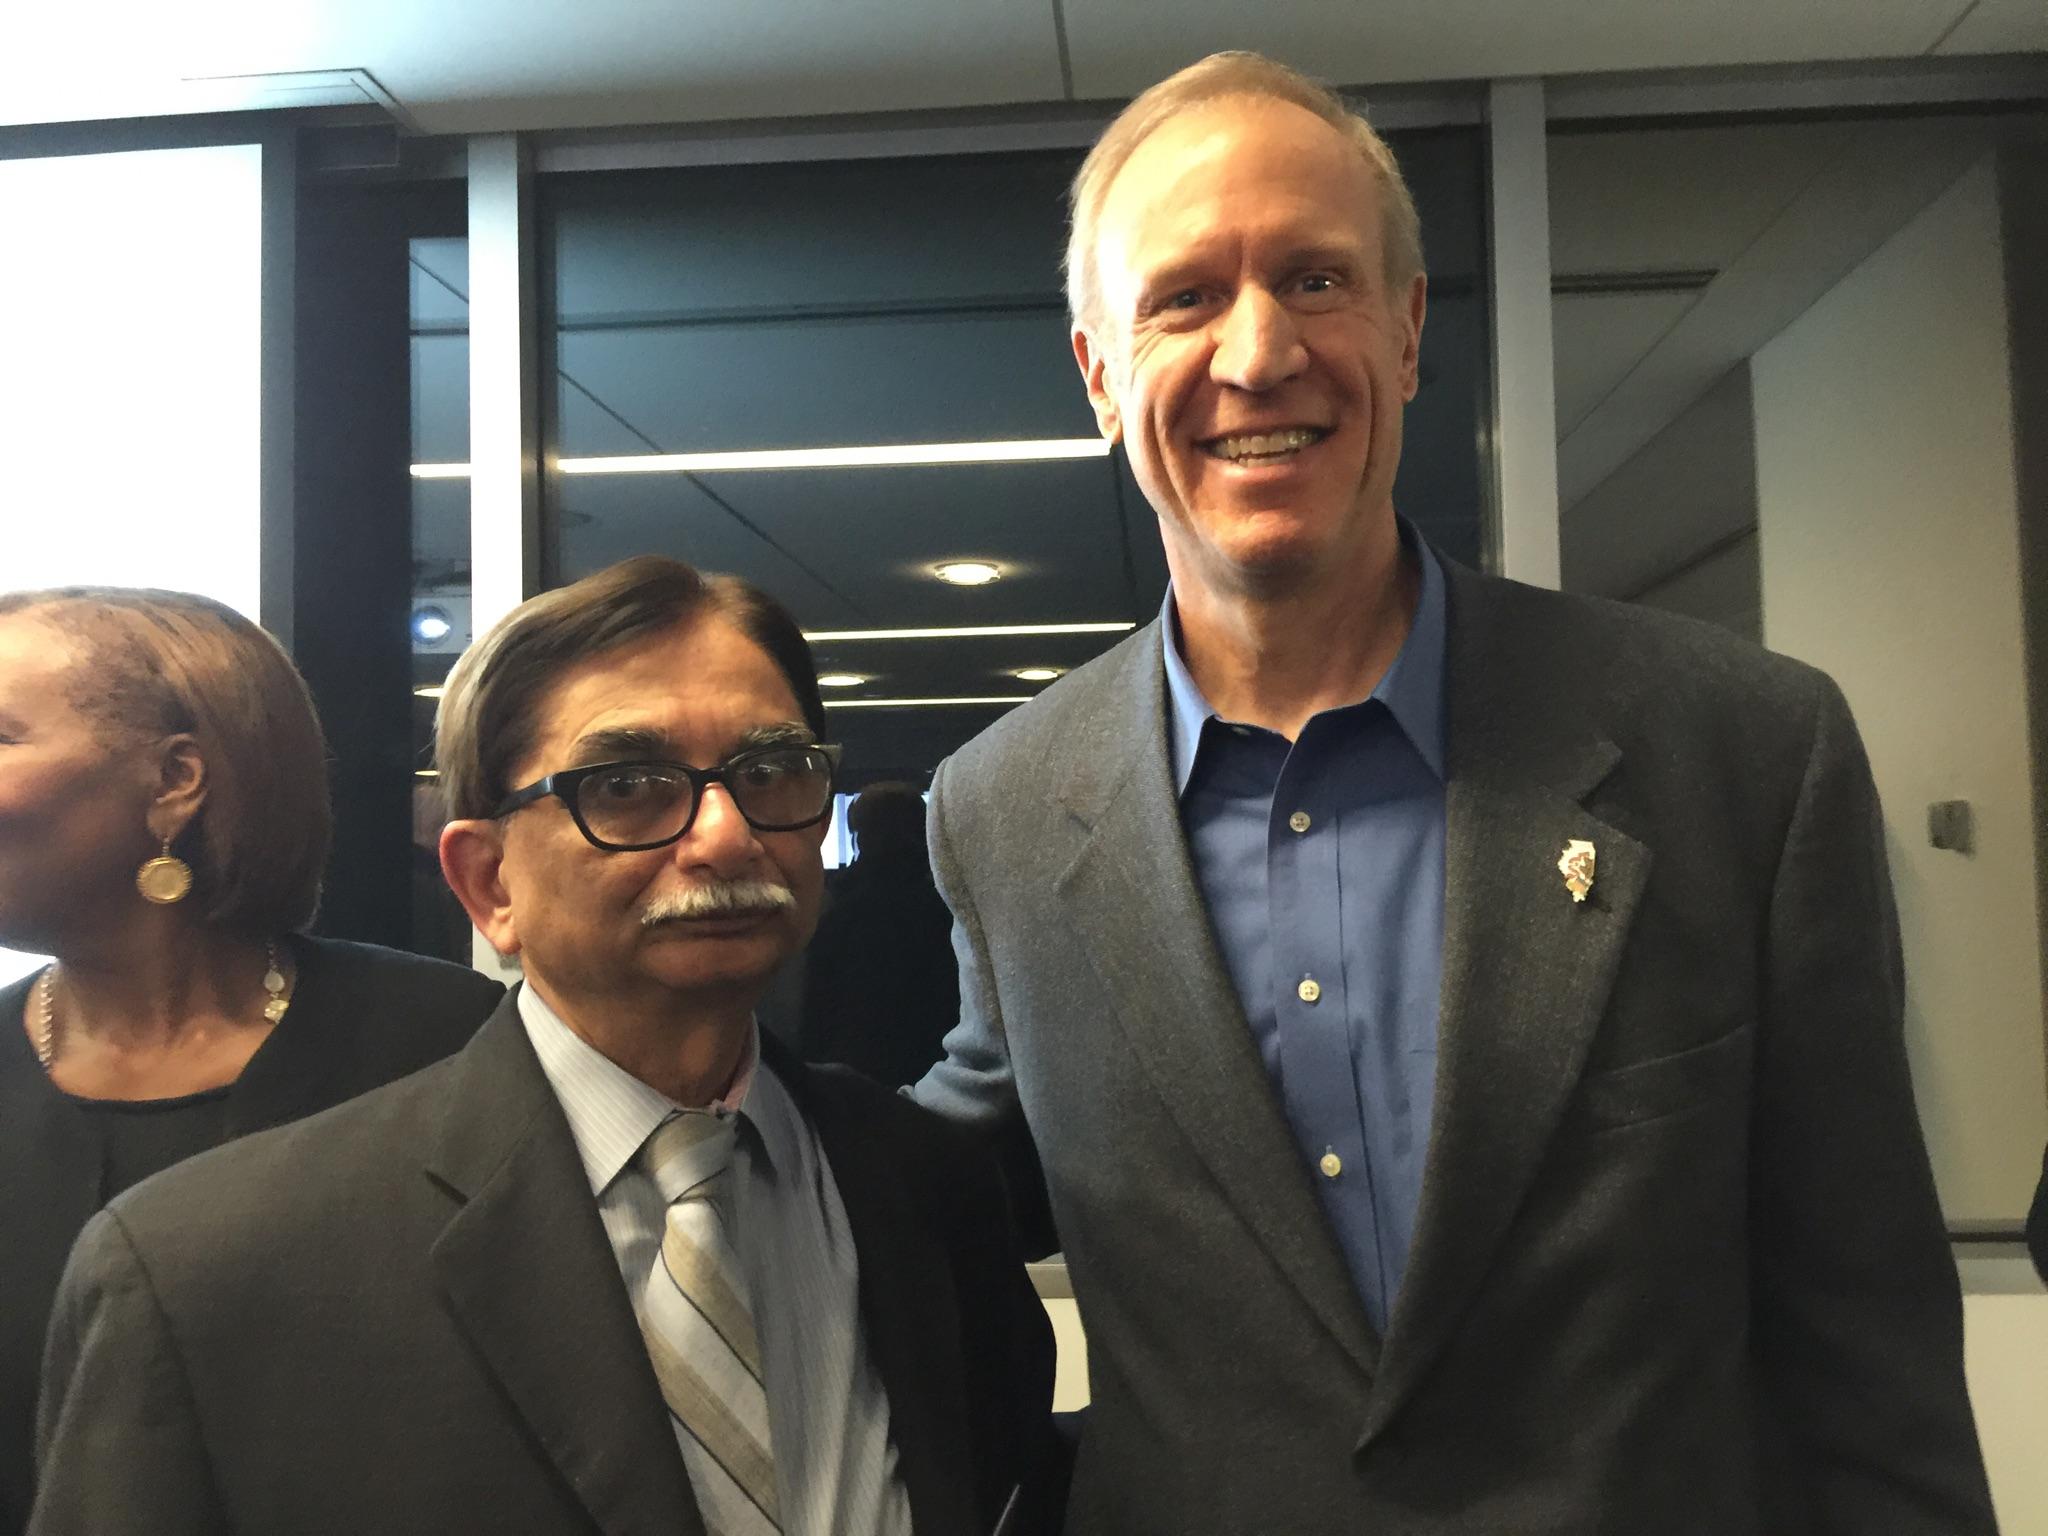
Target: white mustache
(718,898)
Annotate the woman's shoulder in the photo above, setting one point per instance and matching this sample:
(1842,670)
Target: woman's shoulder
(366,986)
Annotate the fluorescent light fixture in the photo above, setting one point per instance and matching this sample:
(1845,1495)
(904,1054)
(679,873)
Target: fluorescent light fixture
(1006,698)
(841,679)
(967,573)
(877,456)
(969,632)
(426,773)
(435,690)
(1037,674)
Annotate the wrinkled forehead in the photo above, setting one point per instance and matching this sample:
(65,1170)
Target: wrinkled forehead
(1237,168)
(695,693)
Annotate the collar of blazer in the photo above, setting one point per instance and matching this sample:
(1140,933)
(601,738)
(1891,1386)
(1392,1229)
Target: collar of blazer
(1526,970)
(532,1281)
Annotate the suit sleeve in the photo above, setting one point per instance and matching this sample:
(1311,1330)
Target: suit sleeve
(118,1445)
(973,1083)
(1858,1310)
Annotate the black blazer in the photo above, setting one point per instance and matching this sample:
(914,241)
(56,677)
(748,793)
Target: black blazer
(404,1315)
(360,1017)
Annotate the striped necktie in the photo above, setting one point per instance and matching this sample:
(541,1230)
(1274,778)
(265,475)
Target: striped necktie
(700,1331)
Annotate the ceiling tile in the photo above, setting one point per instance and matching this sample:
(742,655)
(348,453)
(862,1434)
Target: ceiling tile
(2000,26)
(460,67)
(1118,49)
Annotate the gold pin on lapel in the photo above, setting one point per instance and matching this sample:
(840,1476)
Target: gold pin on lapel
(1576,865)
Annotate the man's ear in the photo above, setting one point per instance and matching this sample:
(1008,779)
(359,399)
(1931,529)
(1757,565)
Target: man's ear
(1093,358)
(178,786)
(472,859)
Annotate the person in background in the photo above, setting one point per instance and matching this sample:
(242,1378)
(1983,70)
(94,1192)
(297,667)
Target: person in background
(621,1263)
(881,987)
(163,828)
(1460,1024)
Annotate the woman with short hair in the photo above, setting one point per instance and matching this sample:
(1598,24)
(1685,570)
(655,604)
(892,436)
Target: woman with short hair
(164,823)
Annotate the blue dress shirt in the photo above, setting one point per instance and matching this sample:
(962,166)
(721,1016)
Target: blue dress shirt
(1322,865)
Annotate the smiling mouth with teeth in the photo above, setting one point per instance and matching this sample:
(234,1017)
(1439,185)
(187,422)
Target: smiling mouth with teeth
(1263,447)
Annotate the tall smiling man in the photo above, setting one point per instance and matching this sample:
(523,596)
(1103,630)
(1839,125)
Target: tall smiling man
(621,1265)
(1459,1025)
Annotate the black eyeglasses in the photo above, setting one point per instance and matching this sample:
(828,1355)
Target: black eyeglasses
(631,807)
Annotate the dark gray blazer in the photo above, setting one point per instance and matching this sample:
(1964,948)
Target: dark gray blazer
(1678,1266)
(361,1017)
(404,1315)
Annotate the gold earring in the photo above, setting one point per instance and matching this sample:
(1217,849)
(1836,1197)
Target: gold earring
(165,879)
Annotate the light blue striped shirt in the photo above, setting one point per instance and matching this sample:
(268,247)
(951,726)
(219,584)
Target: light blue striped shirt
(835,1467)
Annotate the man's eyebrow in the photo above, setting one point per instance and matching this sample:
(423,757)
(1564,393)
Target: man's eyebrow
(1332,253)
(781,733)
(620,743)
(636,743)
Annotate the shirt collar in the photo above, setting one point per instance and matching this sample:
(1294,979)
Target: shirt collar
(1412,689)
(611,1113)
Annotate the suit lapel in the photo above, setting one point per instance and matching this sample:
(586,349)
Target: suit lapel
(531,1280)
(1142,923)
(1526,970)
(910,1316)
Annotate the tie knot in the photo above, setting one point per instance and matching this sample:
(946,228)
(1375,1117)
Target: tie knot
(687,1150)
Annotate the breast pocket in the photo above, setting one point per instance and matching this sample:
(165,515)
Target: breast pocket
(1666,1085)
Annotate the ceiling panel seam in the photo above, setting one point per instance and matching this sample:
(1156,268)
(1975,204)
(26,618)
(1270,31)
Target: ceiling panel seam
(1790,201)
(713,497)
(1949,31)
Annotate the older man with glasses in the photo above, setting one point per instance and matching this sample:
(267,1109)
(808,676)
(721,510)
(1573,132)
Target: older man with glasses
(622,1264)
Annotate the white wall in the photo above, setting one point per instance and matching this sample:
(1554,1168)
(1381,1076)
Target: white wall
(1890,557)
(130,345)
(2005,1344)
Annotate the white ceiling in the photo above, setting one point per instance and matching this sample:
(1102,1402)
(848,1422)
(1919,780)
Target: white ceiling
(457,66)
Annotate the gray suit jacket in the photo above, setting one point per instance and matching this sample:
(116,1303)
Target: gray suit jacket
(404,1315)
(1678,1265)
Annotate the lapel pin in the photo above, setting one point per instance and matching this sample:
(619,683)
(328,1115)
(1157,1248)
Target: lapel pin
(1576,865)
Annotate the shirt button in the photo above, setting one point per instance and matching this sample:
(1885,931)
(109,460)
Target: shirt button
(1298,821)
(1332,1165)
(1309,990)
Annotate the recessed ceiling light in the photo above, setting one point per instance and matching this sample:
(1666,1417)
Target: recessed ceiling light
(841,679)
(1037,674)
(431,624)
(967,573)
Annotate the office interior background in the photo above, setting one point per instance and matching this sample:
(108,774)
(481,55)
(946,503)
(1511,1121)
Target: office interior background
(374,319)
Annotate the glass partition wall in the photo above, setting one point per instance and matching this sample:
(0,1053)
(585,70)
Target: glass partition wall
(852,383)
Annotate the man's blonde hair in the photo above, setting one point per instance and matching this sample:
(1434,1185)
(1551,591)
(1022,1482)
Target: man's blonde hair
(1219,77)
